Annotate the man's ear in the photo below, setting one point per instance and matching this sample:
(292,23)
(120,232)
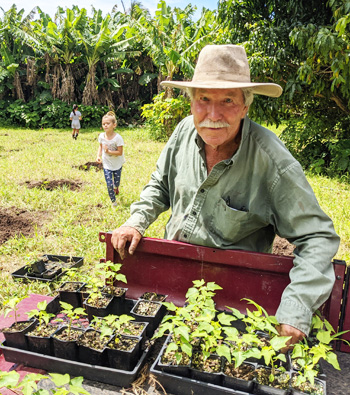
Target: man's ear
(245,111)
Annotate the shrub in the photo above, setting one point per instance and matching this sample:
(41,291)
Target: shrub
(163,115)
(42,113)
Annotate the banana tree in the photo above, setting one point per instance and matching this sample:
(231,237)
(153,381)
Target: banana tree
(103,41)
(172,40)
(61,49)
(13,29)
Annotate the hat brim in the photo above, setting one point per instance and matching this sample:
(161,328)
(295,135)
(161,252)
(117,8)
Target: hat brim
(266,89)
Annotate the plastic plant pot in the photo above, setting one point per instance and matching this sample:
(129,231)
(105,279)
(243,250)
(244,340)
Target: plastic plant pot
(93,311)
(118,304)
(52,273)
(137,329)
(235,382)
(264,389)
(87,353)
(318,388)
(69,293)
(150,312)
(199,372)
(171,367)
(123,352)
(16,338)
(41,344)
(153,296)
(38,267)
(66,349)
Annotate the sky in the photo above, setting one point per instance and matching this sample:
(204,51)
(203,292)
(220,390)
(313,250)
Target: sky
(50,6)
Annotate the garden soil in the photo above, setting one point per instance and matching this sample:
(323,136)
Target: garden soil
(16,222)
(54,184)
(91,165)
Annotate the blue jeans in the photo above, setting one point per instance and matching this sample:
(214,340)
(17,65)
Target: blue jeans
(112,178)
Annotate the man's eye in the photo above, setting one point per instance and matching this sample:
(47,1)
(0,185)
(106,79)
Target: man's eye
(204,98)
(228,100)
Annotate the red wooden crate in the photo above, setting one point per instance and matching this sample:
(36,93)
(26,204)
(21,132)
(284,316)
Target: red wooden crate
(169,267)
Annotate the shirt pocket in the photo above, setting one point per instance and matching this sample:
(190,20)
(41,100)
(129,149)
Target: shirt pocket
(233,225)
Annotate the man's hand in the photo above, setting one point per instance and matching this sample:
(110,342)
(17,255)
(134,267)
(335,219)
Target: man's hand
(123,235)
(288,330)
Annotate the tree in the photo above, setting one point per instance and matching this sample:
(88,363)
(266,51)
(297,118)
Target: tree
(303,46)
(172,40)
(13,28)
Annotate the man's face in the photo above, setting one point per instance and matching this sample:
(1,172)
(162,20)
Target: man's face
(217,115)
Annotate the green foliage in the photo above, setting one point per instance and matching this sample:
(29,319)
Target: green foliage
(71,313)
(307,354)
(11,305)
(41,113)
(163,115)
(111,272)
(40,313)
(305,48)
(63,384)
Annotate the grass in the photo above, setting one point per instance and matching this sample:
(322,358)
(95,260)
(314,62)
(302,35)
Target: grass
(72,220)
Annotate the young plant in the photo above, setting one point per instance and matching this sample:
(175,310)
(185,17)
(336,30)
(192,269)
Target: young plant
(260,320)
(306,355)
(11,305)
(71,314)
(192,323)
(239,347)
(41,314)
(111,273)
(63,384)
(94,285)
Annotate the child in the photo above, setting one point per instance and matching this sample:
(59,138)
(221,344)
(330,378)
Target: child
(111,149)
(75,117)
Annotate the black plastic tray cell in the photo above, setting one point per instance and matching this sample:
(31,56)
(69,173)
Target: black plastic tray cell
(68,262)
(177,385)
(121,378)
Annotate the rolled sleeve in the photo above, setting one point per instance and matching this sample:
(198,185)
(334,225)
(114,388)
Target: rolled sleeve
(300,219)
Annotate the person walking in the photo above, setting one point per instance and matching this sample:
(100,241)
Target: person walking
(75,117)
(110,153)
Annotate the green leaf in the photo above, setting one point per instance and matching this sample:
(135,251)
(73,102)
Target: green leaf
(9,379)
(324,336)
(333,360)
(60,379)
(223,351)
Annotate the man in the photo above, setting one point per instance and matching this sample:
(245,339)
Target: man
(232,184)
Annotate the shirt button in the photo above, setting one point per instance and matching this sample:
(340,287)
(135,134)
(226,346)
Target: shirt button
(185,236)
(194,213)
(202,190)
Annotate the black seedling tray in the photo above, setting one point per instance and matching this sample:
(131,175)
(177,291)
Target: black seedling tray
(121,378)
(23,274)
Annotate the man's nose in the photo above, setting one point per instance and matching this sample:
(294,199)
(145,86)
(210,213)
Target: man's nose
(214,112)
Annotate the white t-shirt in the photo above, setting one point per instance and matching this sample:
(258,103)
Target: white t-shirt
(112,162)
(75,119)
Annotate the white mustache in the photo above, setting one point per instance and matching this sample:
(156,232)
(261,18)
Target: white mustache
(207,123)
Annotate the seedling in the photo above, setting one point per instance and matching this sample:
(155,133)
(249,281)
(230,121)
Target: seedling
(12,306)
(111,272)
(63,384)
(41,314)
(307,356)
(71,314)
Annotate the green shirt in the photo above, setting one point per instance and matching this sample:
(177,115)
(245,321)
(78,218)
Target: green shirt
(242,204)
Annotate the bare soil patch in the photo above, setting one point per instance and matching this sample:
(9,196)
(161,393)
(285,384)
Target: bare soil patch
(15,222)
(282,247)
(91,165)
(54,184)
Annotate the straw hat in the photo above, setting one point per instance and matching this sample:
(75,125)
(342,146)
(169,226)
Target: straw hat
(224,67)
